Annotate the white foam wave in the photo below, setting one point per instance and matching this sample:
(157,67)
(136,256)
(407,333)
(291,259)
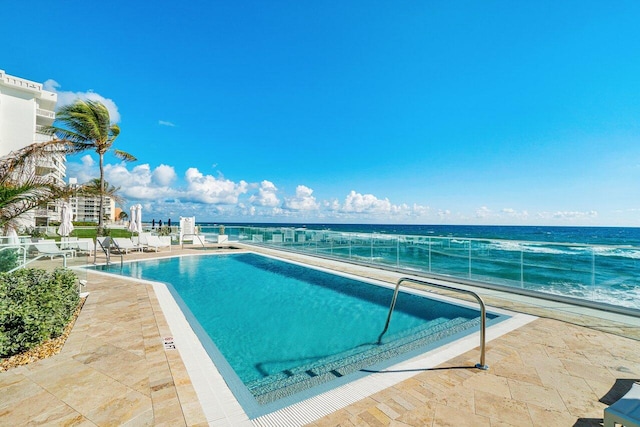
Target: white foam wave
(623,295)
(526,247)
(631,253)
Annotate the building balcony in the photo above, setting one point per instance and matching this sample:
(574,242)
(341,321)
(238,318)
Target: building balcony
(47,114)
(23,84)
(41,130)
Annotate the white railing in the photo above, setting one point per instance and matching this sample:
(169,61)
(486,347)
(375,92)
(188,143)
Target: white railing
(45,113)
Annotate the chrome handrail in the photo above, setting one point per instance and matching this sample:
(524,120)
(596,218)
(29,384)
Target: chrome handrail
(107,251)
(483,312)
(193,240)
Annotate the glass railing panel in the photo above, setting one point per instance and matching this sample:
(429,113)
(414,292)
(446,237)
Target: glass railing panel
(415,253)
(594,273)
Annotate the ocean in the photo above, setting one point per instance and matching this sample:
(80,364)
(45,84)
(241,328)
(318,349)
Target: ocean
(600,264)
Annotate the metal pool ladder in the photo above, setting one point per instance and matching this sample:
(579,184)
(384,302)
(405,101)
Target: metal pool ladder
(483,312)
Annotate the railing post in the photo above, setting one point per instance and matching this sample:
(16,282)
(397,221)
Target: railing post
(522,268)
(593,269)
(371,255)
(469,259)
(429,254)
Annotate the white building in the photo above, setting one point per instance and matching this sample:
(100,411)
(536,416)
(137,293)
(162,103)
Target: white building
(24,109)
(87,208)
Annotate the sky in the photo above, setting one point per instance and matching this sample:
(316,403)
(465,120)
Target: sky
(408,112)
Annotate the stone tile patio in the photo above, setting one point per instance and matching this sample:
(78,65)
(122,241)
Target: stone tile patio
(115,370)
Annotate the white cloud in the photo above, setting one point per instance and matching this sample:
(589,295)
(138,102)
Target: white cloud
(574,214)
(164,175)
(367,203)
(141,183)
(331,205)
(119,175)
(512,213)
(84,171)
(303,200)
(266,195)
(444,213)
(483,212)
(67,97)
(208,189)
(165,123)
(166,194)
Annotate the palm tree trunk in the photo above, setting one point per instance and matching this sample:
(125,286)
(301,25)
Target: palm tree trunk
(100,211)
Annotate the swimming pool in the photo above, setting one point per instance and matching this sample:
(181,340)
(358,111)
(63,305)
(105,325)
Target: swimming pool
(281,332)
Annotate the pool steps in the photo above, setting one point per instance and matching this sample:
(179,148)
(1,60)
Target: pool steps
(283,384)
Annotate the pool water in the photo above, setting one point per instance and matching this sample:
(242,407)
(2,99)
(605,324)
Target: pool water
(284,328)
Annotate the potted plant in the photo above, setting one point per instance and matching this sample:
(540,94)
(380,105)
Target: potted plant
(222,238)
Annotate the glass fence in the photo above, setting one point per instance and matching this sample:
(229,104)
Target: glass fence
(607,274)
(47,254)
(594,273)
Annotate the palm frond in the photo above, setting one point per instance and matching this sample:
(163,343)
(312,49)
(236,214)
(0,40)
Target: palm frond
(123,155)
(19,198)
(16,162)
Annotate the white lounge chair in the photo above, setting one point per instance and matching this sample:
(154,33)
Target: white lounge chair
(155,242)
(122,244)
(85,244)
(51,249)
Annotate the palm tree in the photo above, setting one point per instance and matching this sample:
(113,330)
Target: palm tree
(20,189)
(86,125)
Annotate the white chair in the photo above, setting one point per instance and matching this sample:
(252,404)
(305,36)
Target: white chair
(68,242)
(51,249)
(85,244)
(125,245)
(155,242)
(141,239)
(625,411)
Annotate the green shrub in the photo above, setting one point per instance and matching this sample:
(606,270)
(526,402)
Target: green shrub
(8,258)
(35,305)
(164,231)
(35,232)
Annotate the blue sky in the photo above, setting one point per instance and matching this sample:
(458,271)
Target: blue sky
(425,112)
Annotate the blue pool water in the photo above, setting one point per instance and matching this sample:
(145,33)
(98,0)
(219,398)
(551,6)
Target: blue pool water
(284,328)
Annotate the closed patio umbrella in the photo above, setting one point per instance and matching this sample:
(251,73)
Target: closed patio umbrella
(12,234)
(133,227)
(139,218)
(66,226)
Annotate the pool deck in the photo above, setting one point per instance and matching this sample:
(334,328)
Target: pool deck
(118,367)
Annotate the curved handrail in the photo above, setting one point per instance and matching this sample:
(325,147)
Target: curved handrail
(193,235)
(483,312)
(106,250)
